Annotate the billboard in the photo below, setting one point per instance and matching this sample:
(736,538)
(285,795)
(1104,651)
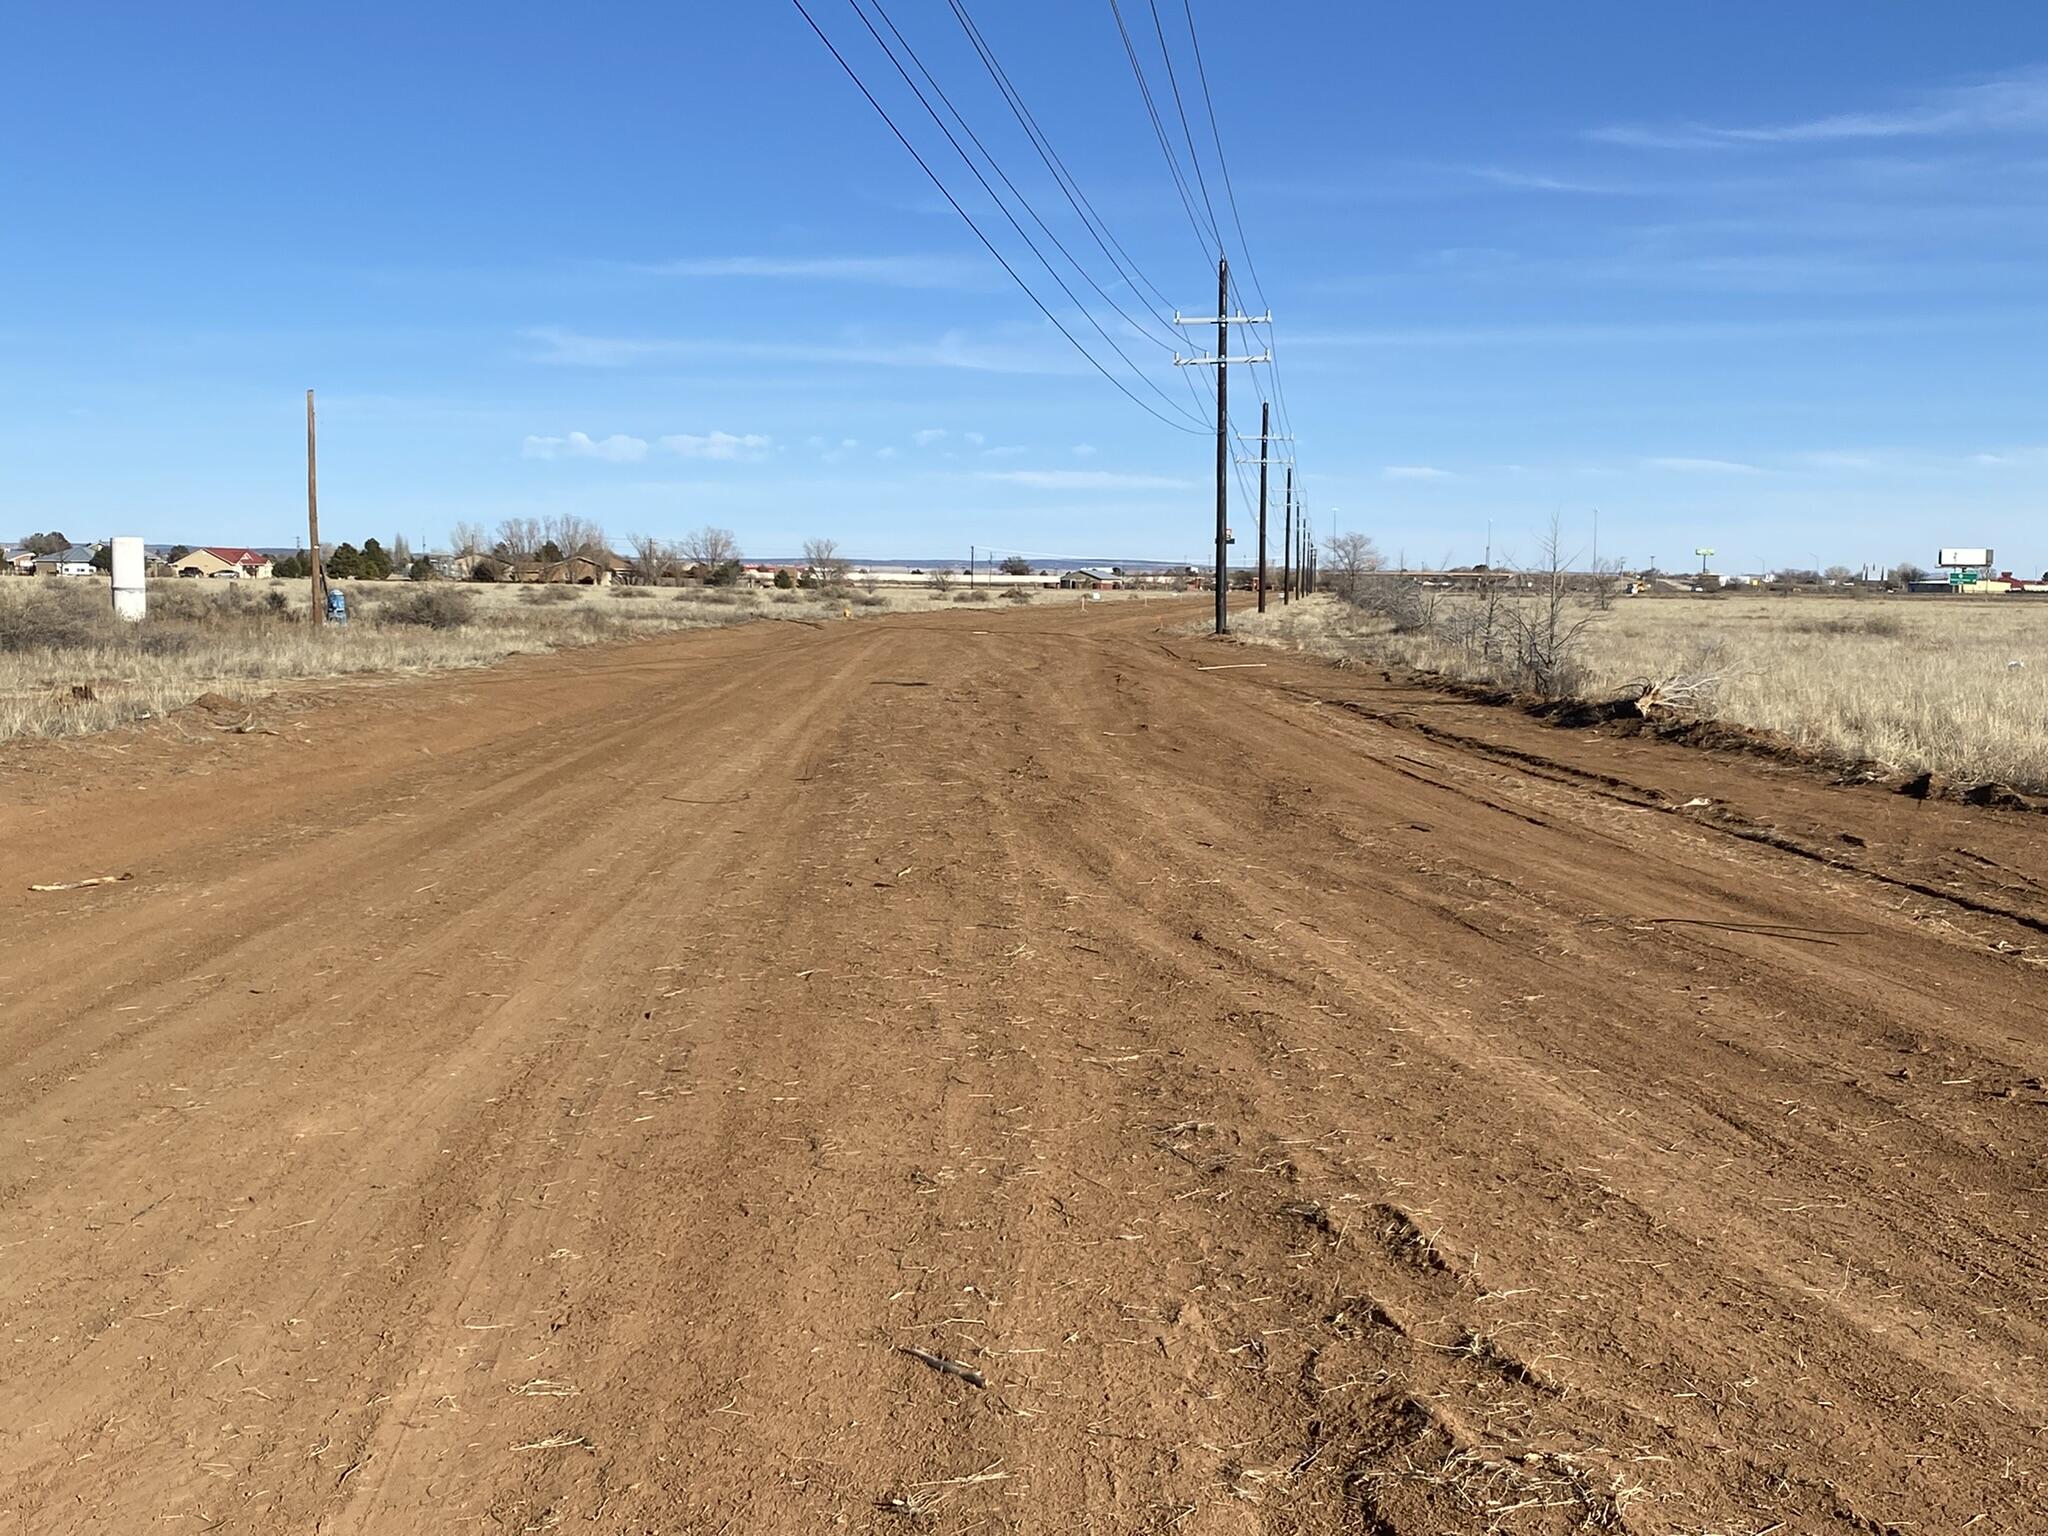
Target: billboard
(1965,558)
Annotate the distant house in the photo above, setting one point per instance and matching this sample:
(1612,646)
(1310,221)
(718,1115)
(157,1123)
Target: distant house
(18,562)
(229,564)
(1090,578)
(75,561)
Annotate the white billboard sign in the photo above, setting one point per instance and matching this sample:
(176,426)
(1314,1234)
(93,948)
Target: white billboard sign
(1965,559)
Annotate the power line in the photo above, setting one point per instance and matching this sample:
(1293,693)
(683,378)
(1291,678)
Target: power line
(1209,104)
(1022,200)
(1159,129)
(1173,80)
(1128,268)
(966,218)
(1001,206)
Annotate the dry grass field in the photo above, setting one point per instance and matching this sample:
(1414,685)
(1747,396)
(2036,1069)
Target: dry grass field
(67,667)
(1958,686)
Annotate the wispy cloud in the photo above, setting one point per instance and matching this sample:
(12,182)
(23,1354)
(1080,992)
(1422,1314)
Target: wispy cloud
(885,453)
(1084,480)
(717,445)
(885,271)
(1002,451)
(2015,103)
(1084,450)
(926,436)
(1685,466)
(974,439)
(561,347)
(1532,181)
(1414,472)
(616,449)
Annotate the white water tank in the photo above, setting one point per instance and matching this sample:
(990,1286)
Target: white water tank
(131,597)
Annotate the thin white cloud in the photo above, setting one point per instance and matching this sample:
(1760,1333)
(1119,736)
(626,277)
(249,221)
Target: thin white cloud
(1530,181)
(926,436)
(2015,103)
(885,453)
(1687,466)
(616,449)
(717,445)
(1084,480)
(884,271)
(974,439)
(1002,451)
(1414,472)
(1084,450)
(1832,459)
(559,347)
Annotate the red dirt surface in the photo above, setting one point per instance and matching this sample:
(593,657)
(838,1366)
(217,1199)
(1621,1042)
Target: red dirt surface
(557,1097)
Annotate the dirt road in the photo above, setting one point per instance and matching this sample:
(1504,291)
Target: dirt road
(556,1097)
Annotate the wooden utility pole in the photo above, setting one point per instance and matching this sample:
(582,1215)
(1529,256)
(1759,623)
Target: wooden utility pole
(1222,445)
(319,573)
(1287,545)
(1221,362)
(1265,431)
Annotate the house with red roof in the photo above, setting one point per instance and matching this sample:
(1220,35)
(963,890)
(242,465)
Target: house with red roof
(226,563)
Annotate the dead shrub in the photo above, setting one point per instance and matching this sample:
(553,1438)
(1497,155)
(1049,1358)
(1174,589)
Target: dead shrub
(430,607)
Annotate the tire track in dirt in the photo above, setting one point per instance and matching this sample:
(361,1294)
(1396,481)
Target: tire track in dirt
(1300,1124)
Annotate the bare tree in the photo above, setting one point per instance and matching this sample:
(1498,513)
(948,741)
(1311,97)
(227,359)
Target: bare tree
(1545,625)
(520,538)
(574,535)
(467,539)
(653,559)
(823,560)
(1353,557)
(940,580)
(710,547)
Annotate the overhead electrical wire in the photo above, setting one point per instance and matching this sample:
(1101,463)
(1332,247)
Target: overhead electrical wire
(968,219)
(1001,206)
(1187,133)
(1159,131)
(1023,201)
(1127,268)
(1230,194)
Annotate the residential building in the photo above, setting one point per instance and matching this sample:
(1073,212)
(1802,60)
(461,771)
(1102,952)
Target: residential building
(75,561)
(224,562)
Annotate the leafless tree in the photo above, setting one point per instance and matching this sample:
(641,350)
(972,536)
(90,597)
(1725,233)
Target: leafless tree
(467,539)
(520,538)
(1545,625)
(940,581)
(653,559)
(1353,557)
(574,535)
(823,560)
(709,547)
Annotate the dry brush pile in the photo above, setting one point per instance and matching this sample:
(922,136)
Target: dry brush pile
(1955,686)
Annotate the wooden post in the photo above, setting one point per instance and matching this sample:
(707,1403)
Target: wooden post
(1222,446)
(1265,437)
(319,572)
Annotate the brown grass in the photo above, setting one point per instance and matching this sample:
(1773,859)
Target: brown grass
(1909,683)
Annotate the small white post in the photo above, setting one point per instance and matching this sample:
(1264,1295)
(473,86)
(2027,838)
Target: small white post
(131,597)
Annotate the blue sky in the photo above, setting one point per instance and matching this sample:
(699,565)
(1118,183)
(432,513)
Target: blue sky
(1764,277)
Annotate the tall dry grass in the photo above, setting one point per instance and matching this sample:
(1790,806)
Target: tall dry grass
(1910,683)
(68,667)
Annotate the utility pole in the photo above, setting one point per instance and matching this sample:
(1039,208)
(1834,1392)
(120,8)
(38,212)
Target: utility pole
(970,565)
(1221,363)
(1265,426)
(1287,545)
(313,517)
